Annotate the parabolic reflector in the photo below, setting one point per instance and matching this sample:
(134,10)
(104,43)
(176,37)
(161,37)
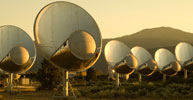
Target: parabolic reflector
(119,57)
(167,62)
(115,52)
(184,54)
(146,65)
(17,51)
(67,36)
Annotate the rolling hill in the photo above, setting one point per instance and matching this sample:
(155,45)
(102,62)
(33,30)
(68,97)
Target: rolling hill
(151,39)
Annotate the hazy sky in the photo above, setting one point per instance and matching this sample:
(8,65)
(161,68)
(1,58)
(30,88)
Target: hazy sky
(115,18)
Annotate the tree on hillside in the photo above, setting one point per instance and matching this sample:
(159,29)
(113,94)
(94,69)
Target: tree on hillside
(49,76)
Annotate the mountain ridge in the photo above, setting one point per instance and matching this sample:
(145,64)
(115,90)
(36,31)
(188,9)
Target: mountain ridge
(163,34)
(150,39)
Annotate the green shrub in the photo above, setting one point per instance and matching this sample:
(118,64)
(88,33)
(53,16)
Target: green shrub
(91,74)
(49,76)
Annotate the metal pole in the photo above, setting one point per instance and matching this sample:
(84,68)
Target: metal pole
(65,82)
(164,77)
(127,76)
(10,82)
(117,79)
(140,77)
(185,74)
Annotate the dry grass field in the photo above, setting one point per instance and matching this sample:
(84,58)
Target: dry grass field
(46,95)
(175,88)
(39,95)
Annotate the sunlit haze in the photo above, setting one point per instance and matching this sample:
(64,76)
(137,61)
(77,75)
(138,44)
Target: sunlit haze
(115,18)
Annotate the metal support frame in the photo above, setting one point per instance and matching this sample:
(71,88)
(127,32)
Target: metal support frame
(140,77)
(10,86)
(127,76)
(185,74)
(164,77)
(117,80)
(65,88)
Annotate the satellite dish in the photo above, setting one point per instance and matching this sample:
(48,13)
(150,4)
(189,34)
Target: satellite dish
(167,63)
(146,65)
(17,51)
(184,54)
(119,57)
(127,66)
(67,36)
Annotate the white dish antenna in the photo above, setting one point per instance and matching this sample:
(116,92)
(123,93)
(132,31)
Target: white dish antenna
(119,57)
(146,65)
(67,36)
(166,61)
(184,54)
(17,50)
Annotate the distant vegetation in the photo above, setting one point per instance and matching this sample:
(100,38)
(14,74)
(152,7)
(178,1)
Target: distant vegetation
(174,88)
(49,76)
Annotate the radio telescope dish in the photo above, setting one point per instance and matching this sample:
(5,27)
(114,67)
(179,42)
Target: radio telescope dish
(119,57)
(167,63)
(67,36)
(146,65)
(184,54)
(17,51)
